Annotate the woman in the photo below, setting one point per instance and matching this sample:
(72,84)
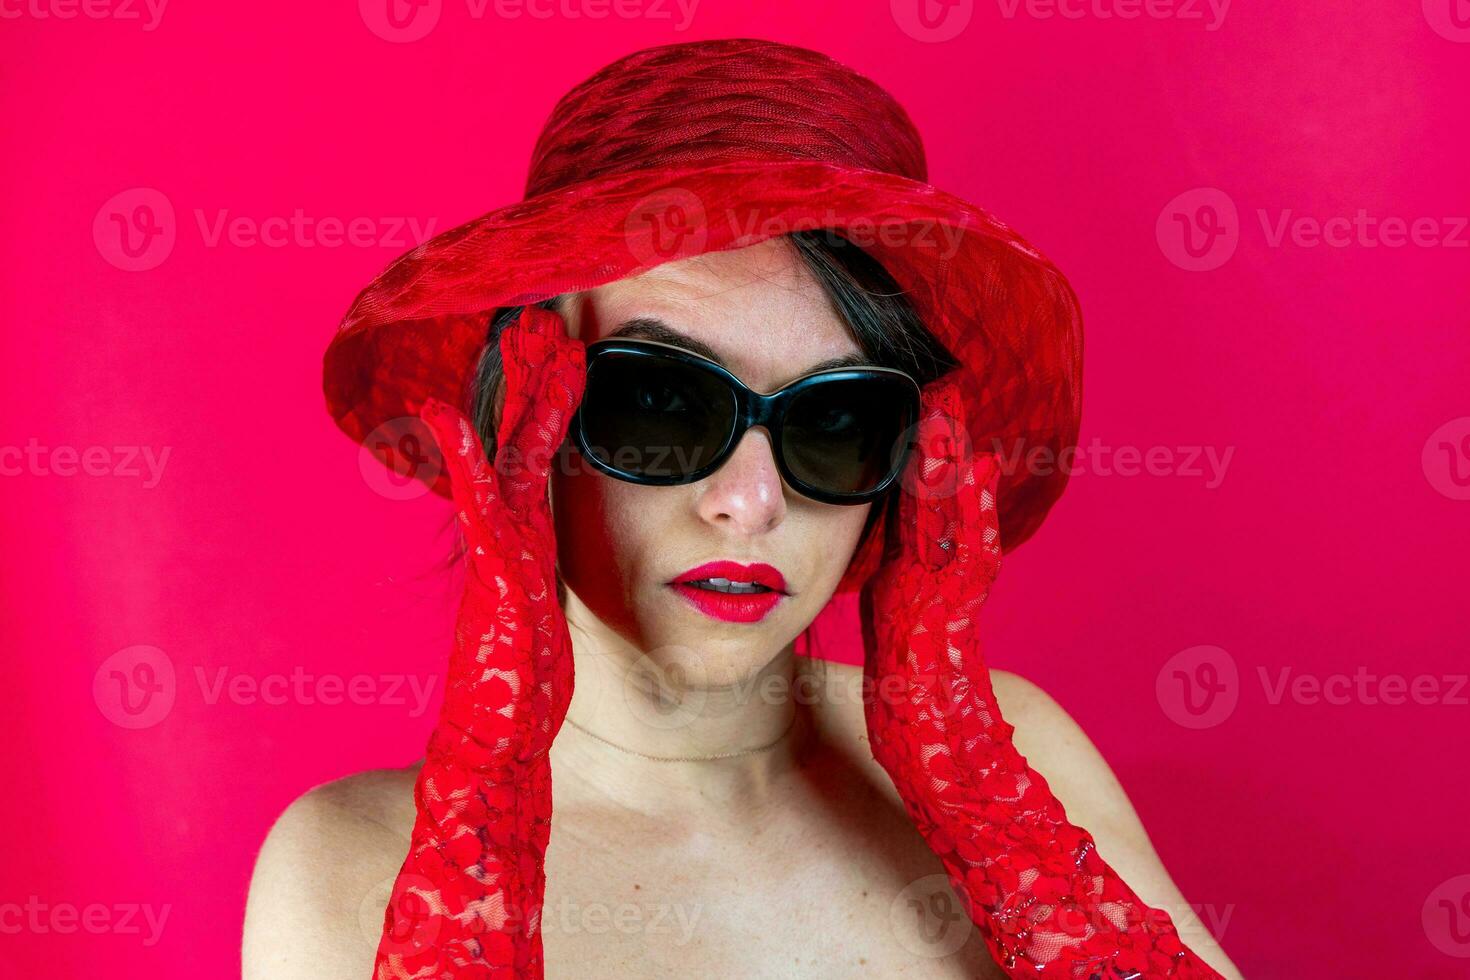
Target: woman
(722,804)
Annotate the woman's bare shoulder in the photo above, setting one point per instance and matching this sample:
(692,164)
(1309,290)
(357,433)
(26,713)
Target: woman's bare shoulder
(1056,746)
(323,876)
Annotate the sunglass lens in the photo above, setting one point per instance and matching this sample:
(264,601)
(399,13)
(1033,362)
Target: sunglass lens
(841,436)
(655,418)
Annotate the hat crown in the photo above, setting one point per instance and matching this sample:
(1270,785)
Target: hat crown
(712,102)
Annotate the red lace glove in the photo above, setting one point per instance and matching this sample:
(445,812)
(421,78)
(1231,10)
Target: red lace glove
(1047,904)
(467,901)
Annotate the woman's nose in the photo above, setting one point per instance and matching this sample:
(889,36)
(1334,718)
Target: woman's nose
(746,494)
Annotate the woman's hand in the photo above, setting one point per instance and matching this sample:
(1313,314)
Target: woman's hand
(1046,902)
(467,901)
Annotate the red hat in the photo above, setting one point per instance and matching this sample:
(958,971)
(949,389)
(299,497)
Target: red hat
(682,149)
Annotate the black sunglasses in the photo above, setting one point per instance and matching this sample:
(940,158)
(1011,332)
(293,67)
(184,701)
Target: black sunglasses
(659,415)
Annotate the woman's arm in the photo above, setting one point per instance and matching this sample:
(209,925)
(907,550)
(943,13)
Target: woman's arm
(1083,781)
(1028,873)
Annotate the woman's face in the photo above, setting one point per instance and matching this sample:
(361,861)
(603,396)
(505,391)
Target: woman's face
(620,545)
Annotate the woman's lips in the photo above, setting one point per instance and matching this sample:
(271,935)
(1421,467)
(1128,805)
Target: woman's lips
(760,573)
(729,606)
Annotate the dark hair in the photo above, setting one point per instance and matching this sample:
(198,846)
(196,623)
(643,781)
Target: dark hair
(871,303)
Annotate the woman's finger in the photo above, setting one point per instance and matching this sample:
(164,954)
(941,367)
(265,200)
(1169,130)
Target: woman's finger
(545,373)
(982,528)
(471,479)
(929,510)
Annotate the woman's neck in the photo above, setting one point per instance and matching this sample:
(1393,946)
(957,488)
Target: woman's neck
(676,729)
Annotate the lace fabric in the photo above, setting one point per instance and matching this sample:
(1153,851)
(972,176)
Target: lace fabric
(467,900)
(1046,902)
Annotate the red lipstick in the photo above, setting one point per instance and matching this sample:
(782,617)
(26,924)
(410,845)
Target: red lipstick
(730,591)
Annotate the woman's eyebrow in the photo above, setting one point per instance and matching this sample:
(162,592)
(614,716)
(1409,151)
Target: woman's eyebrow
(652,328)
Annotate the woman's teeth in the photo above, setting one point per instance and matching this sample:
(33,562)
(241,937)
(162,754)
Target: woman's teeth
(725,585)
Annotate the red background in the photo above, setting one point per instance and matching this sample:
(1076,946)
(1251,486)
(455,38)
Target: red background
(1316,836)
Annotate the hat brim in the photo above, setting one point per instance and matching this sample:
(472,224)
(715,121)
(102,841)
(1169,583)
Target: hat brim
(1008,315)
